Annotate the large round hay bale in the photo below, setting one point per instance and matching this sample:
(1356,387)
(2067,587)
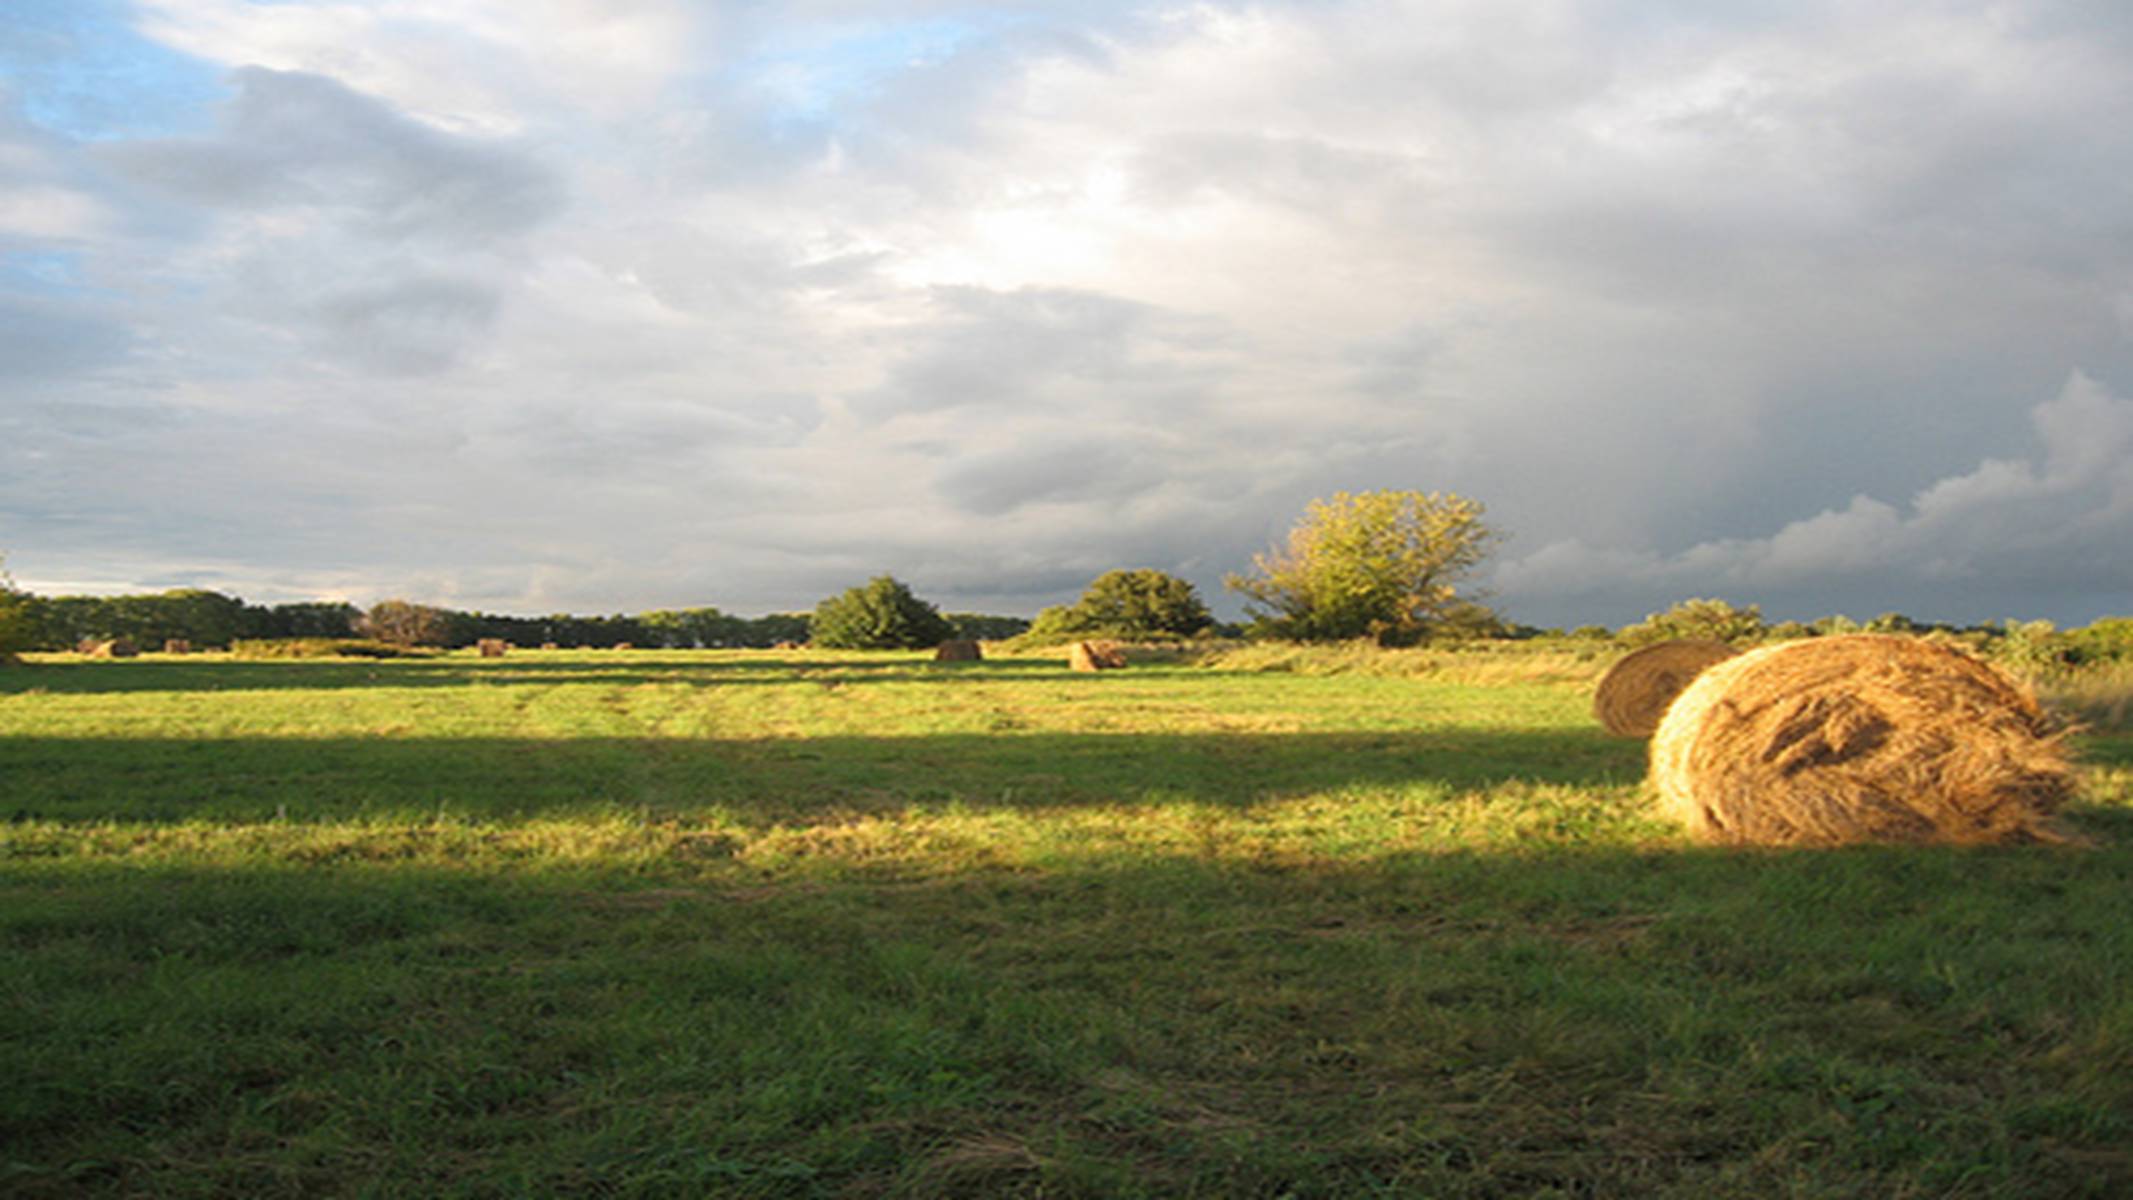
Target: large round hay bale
(1634,693)
(958,650)
(1863,738)
(1096,656)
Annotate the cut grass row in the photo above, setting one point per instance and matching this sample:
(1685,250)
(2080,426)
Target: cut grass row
(750,925)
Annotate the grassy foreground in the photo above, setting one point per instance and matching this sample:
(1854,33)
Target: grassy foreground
(760,924)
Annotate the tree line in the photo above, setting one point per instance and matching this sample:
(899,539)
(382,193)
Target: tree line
(1388,566)
(212,619)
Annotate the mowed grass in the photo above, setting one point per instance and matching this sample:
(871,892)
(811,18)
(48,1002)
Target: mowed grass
(759,924)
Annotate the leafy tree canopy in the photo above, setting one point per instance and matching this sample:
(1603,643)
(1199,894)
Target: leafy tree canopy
(881,614)
(1133,605)
(1383,564)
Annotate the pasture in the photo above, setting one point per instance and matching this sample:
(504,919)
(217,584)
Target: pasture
(797,924)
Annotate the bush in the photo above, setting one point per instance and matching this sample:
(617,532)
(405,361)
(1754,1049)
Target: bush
(882,614)
(1713,619)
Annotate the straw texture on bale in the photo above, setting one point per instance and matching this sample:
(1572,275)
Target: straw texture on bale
(491,647)
(1096,656)
(958,650)
(1634,693)
(1859,739)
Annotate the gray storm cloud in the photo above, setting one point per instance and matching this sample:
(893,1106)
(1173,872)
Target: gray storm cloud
(2061,518)
(743,303)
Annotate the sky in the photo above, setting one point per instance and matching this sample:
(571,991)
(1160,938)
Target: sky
(609,305)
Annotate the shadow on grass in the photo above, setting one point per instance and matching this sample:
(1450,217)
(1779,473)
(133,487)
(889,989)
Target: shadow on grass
(1582,1022)
(91,676)
(768,779)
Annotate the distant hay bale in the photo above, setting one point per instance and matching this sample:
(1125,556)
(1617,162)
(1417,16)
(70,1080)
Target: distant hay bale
(958,650)
(177,646)
(1634,693)
(624,646)
(491,647)
(1864,738)
(113,648)
(550,646)
(788,646)
(1096,656)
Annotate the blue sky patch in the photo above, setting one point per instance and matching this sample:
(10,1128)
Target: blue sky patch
(78,69)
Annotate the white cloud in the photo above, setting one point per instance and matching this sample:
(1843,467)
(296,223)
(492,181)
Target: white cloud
(573,302)
(1988,527)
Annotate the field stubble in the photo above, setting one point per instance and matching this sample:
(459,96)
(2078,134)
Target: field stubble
(792,924)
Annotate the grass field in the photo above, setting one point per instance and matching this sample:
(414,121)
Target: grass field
(763,924)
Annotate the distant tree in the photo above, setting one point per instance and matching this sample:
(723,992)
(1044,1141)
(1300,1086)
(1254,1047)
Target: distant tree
(773,628)
(1132,605)
(882,614)
(983,628)
(309,619)
(405,623)
(1713,619)
(1383,564)
(16,629)
(1143,603)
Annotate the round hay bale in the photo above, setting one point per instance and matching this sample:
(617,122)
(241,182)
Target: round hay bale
(492,647)
(1864,738)
(1634,693)
(177,646)
(1096,656)
(958,650)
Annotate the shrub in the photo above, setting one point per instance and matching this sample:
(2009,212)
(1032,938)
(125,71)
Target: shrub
(881,614)
(1714,619)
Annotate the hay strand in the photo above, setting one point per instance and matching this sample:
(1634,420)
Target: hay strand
(1864,738)
(1634,693)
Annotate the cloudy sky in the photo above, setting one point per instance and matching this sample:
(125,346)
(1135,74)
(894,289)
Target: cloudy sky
(604,305)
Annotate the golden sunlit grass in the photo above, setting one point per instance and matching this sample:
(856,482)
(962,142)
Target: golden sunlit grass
(794,924)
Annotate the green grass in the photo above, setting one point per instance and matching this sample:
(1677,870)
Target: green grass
(760,924)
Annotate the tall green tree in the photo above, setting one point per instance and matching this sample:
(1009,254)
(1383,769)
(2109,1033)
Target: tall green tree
(881,614)
(1133,605)
(1382,564)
